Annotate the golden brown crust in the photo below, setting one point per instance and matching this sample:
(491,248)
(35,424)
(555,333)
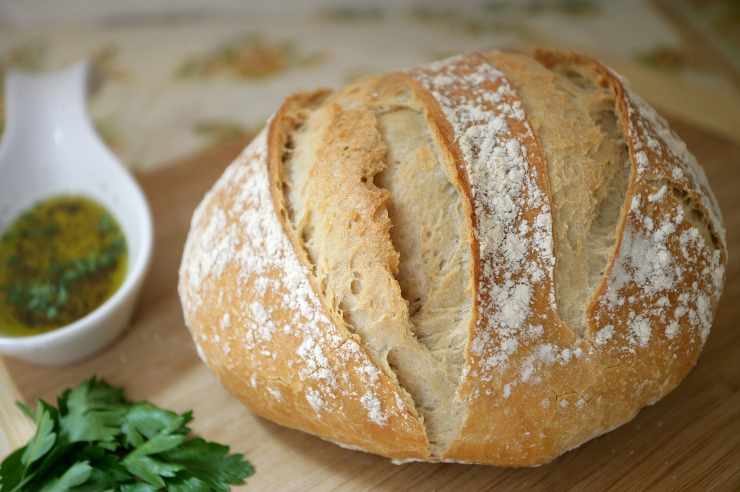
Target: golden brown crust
(260,327)
(532,387)
(639,357)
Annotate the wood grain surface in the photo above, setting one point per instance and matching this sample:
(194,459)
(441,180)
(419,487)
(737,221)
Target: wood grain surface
(15,427)
(688,441)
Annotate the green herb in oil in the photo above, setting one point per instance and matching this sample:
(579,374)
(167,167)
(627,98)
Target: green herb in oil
(59,261)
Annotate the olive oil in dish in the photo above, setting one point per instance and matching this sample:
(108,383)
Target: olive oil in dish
(59,261)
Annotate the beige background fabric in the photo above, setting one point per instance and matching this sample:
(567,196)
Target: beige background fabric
(173,78)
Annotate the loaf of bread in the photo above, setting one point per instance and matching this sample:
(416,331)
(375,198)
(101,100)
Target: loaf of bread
(490,259)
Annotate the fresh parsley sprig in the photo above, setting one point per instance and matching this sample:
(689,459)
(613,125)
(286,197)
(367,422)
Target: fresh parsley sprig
(96,440)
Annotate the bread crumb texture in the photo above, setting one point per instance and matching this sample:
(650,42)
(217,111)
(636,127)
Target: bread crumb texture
(490,259)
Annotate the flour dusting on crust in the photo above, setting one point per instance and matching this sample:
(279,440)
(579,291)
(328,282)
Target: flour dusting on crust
(516,251)
(660,248)
(513,222)
(243,237)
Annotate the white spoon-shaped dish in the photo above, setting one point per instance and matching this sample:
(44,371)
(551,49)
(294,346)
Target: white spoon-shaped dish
(49,148)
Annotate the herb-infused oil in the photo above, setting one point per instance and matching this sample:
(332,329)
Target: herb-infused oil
(59,261)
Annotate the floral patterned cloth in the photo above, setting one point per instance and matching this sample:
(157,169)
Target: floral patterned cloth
(169,85)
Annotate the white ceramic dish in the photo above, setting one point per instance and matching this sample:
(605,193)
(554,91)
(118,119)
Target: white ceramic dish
(50,147)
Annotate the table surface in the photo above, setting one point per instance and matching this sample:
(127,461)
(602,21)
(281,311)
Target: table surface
(691,439)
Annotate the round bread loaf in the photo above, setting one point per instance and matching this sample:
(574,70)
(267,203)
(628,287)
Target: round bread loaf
(490,259)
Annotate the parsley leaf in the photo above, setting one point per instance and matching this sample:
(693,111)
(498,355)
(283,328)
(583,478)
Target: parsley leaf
(144,421)
(77,474)
(96,440)
(92,412)
(12,471)
(139,487)
(43,440)
(152,471)
(188,484)
(218,470)
(16,471)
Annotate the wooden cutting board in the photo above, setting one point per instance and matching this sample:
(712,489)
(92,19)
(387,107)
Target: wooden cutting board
(691,439)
